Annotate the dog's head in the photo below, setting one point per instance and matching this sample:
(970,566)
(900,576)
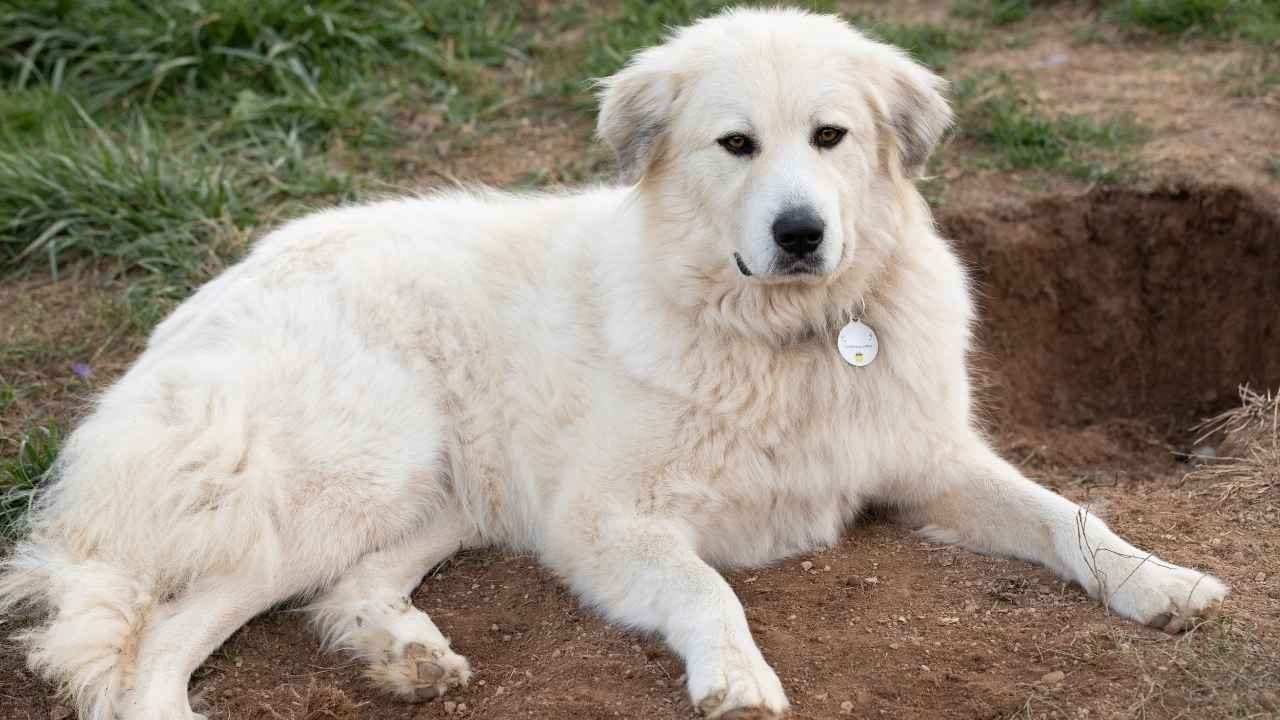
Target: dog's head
(771,139)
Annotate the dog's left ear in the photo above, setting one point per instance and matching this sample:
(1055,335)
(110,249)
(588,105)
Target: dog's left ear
(635,109)
(918,111)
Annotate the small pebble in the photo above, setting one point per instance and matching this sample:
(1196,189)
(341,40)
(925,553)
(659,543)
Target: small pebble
(1260,577)
(1053,678)
(846,707)
(450,706)
(806,566)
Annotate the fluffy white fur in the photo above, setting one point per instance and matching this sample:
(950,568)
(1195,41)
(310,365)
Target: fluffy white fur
(585,376)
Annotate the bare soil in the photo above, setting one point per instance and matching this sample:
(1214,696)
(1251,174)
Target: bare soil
(1113,319)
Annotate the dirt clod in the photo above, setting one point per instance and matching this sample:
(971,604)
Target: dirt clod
(1052,678)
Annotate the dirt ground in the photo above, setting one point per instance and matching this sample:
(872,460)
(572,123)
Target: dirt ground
(1113,320)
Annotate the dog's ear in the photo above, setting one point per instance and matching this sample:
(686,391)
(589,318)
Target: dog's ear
(635,110)
(918,111)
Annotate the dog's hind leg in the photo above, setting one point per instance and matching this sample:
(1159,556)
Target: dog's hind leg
(368,612)
(181,634)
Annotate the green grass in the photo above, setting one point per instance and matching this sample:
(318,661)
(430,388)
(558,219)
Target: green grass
(1014,134)
(992,12)
(1255,20)
(111,51)
(1273,167)
(167,209)
(157,137)
(933,45)
(22,468)
(635,24)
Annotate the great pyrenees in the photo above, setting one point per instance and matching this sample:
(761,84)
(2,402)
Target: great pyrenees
(716,363)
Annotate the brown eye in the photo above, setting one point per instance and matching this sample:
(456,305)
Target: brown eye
(737,144)
(828,136)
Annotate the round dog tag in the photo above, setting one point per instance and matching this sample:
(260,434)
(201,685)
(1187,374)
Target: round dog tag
(857,344)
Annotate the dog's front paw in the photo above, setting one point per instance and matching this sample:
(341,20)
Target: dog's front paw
(1165,596)
(421,672)
(739,689)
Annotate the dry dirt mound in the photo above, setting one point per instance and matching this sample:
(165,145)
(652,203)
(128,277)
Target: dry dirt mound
(1111,322)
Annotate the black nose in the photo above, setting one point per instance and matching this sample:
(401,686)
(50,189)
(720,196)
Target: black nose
(798,230)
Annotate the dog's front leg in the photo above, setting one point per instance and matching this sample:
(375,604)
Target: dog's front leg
(643,572)
(978,500)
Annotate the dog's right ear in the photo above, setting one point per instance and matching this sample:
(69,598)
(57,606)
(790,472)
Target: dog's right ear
(635,111)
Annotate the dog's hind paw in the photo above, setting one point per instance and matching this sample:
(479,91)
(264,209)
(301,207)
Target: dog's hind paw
(421,672)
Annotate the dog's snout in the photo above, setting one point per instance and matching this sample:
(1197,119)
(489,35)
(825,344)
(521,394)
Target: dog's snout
(798,230)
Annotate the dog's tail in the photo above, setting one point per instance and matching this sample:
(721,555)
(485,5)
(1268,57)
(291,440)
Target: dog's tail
(89,621)
(126,521)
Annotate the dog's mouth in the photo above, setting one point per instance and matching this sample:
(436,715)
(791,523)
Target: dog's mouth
(802,266)
(794,268)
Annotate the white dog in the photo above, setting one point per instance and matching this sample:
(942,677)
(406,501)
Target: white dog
(716,364)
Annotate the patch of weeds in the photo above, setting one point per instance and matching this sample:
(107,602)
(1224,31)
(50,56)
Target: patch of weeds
(1016,135)
(11,393)
(128,199)
(170,211)
(1254,76)
(1273,167)
(992,12)
(296,50)
(933,45)
(1255,20)
(25,464)
(635,24)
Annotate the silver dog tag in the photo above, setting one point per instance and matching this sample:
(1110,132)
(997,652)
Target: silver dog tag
(857,343)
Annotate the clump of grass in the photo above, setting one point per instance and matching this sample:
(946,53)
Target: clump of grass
(992,12)
(113,51)
(635,24)
(1017,135)
(127,199)
(1273,167)
(1248,456)
(168,212)
(21,473)
(1256,20)
(931,44)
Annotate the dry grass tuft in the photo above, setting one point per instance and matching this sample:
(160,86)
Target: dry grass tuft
(1248,459)
(316,702)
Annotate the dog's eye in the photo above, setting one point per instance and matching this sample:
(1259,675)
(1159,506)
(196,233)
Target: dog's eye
(737,144)
(828,136)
